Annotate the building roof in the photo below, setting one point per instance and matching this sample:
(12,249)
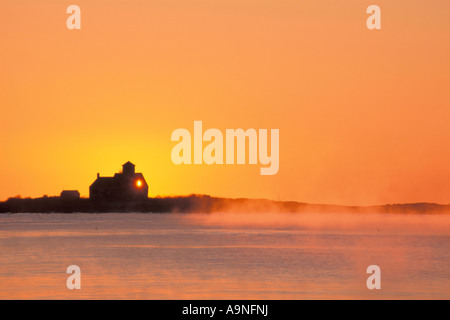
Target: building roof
(110,182)
(70,192)
(103,182)
(128,163)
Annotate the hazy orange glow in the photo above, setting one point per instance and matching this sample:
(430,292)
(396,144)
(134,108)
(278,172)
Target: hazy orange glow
(363,115)
(139,183)
(404,245)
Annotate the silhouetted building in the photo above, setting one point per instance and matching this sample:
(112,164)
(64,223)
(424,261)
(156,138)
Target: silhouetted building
(69,195)
(125,186)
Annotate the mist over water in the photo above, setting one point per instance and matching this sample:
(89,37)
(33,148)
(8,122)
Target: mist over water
(224,256)
(419,224)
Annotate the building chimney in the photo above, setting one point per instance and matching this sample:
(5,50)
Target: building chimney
(98,175)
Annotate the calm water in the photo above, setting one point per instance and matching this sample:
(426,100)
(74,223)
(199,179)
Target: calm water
(224,256)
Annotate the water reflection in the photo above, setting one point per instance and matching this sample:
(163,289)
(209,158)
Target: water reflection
(224,256)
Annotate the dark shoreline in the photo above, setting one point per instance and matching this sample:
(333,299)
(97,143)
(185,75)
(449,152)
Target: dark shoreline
(203,204)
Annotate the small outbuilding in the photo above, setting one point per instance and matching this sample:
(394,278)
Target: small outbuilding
(70,195)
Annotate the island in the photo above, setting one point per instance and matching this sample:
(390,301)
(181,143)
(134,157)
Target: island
(127,191)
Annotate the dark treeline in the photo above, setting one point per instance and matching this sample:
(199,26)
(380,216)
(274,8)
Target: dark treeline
(201,204)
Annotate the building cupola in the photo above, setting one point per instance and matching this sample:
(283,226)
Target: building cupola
(128,169)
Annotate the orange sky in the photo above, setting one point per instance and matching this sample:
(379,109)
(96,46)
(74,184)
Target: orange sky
(363,115)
